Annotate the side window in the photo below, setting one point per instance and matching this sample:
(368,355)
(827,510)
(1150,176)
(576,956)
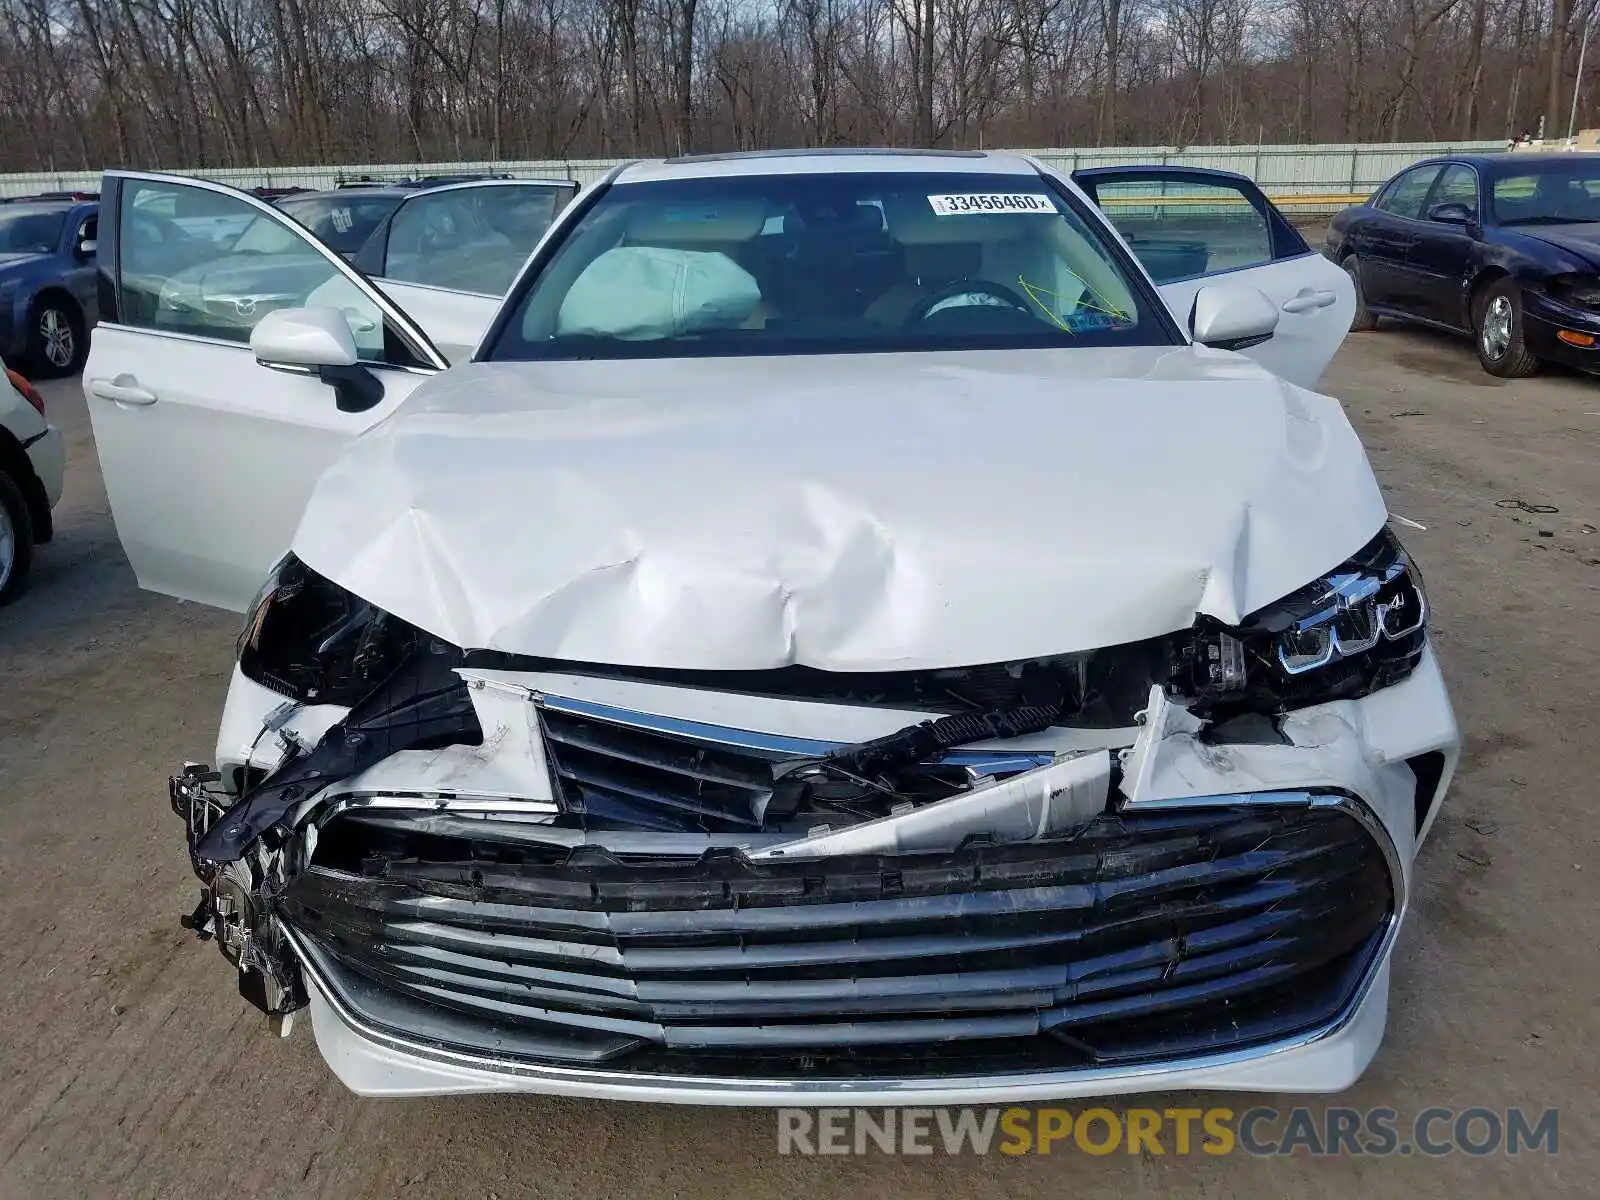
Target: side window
(1405,194)
(207,263)
(1458,185)
(1179,228)
(469,239)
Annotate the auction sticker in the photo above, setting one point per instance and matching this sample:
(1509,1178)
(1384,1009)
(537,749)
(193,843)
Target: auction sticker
(991,202)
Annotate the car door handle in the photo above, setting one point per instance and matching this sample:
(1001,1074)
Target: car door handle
(1305,300)
(124,389)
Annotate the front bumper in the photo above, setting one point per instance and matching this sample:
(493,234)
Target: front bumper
(1384,760)
(371,1063)
(1544,318)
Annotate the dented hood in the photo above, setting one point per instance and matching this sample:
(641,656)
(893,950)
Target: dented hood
(851,512)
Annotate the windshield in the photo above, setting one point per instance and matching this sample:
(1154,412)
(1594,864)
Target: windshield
(829,263)
(31,230)
(342,222)
(1557,193)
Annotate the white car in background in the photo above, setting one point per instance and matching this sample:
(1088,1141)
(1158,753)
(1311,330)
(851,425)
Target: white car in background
(849,635)
(206,266)
(32,459)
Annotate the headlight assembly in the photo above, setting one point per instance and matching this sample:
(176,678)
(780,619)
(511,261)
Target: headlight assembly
(312,641)
(1359,628)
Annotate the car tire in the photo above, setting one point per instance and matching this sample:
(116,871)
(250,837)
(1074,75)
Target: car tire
(16,540)
(58,342)
(1365,320)
(1497,329)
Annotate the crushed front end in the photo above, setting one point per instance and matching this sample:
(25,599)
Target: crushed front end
(1178,863)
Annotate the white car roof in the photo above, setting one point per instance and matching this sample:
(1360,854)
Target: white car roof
(827,162)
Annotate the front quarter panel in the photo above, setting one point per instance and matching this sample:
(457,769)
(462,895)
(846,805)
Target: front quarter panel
(1529,260)
(1532,263)
(1339,230)
(20,283)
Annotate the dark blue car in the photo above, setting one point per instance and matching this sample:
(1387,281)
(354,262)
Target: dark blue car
(1505,247)
(47,283)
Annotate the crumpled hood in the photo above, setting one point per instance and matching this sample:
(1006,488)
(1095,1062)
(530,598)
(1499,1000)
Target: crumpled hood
(852,512)
(1579,238)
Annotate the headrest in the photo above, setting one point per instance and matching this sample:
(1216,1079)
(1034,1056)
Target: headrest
(697,223)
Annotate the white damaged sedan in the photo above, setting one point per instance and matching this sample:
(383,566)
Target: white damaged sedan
(869,628)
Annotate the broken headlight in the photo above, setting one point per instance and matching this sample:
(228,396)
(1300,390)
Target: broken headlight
(309,639)
(1359,628)
(1579,291)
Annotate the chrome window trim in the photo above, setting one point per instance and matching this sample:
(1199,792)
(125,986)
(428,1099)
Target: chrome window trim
(710,1085)
(421,345)
(434,287)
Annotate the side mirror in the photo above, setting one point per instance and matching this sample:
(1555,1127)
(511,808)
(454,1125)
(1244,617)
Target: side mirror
(300,338)
(1451,212)
(87,248)
(317,341)
(1232,316)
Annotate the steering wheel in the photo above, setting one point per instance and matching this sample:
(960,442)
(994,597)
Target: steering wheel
(968,287)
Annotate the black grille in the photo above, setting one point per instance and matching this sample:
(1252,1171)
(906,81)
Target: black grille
(1139,937)
(612,774)
(617,775)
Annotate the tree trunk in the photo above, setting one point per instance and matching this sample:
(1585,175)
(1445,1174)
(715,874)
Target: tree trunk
(1554,91)
(1106,121)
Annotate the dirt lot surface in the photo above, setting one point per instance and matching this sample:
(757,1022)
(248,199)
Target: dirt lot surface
(131,1068)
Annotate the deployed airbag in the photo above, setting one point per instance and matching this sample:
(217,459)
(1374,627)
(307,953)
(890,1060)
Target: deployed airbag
(647,292)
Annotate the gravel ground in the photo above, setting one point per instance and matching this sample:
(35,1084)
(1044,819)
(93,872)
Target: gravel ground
(131,1068)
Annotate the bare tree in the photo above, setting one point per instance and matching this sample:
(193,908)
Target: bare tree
(207,83)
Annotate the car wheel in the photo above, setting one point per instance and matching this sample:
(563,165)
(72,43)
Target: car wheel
(1365,320)
(1501,349)
(16,540)
(57,340)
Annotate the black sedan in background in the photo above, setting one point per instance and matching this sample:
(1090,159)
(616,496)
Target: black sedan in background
(1505,247)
